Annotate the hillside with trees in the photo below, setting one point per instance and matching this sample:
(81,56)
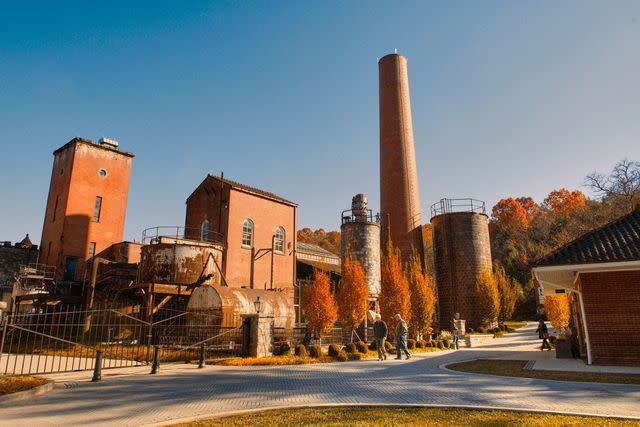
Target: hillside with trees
(326,240)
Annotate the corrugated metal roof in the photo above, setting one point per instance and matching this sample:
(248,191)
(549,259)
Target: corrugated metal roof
(324,266)
(616,241)
(315,249)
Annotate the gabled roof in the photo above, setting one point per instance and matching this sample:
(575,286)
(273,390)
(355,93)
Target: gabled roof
(617,241)
(246,189)
(26,242)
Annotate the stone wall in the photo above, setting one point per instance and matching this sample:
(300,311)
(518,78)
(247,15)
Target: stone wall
(462,250)
(361,240)
(11,257)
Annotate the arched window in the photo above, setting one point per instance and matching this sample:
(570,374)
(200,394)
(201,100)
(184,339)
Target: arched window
(247,233)
(278,243)
(204,231)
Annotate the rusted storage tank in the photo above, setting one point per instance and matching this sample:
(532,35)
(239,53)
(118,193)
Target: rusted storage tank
(180,262)
(462,250)
(231,303)
(360,239)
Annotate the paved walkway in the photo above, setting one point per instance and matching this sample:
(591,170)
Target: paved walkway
(184,392)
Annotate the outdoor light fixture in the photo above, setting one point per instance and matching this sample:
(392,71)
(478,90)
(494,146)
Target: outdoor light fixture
(258,305)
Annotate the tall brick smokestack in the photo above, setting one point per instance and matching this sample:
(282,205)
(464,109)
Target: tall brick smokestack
(399,197)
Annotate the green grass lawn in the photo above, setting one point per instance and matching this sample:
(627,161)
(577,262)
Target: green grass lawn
(514,368)
(388,417)
(14,384)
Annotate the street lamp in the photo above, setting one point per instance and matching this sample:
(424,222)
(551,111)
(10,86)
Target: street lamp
(258,305)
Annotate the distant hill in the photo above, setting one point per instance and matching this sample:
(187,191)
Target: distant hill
(326,240)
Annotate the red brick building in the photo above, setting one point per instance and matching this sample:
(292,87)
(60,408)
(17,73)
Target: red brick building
(86,206)
(600,272)
(258,229)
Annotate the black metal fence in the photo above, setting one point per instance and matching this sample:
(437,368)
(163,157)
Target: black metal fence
(55,339)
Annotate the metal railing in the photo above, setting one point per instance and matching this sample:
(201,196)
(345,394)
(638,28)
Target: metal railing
(55,339)
(348,216)
(154,234)
(36,271)
(445,206)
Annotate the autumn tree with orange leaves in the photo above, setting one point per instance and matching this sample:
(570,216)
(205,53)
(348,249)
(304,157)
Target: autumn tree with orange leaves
(487,296)
(558,312)
(422,294)
(394,290)
(319,306)
(509,214)
(564,202)
(353,295)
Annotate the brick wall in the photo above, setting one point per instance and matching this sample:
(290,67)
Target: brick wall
(462,250)
(83,170)
(266,214)
(612,310)
(399,194)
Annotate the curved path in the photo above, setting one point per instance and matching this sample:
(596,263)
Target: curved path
(180,393)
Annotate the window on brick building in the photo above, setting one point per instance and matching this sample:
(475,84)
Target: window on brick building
(55,209)
(247,233)
(204,231)
(92,250)
(97,208)
(278,241)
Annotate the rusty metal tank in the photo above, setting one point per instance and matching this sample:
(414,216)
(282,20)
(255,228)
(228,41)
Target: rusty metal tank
(180,262)
(462,250)
(231,303)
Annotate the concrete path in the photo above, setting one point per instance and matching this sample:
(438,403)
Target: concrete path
(182,392)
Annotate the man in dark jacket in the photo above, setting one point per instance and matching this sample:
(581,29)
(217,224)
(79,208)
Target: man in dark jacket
(380,330)
(402,331)
(543,334)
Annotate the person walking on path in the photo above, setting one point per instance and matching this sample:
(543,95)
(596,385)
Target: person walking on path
(380,331)
(543,334)
(402,330)
(455,331)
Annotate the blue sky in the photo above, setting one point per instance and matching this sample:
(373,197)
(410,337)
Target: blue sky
(508,98)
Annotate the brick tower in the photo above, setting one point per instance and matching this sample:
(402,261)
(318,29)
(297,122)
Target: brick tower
(399,197)
(86,206)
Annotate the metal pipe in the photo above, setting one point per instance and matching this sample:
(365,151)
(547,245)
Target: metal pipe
(273,247)
(253,255)
(91,293)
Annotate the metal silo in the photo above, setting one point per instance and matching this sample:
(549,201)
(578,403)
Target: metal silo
(462,250)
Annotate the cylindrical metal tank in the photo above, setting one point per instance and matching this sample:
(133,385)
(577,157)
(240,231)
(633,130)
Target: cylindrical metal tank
(462,250)
(360,238)
(231,303)
(180,262)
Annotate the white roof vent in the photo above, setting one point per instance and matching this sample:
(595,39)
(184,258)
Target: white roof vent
(108,141)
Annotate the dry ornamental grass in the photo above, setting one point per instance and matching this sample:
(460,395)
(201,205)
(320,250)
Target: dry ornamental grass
(15,384)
